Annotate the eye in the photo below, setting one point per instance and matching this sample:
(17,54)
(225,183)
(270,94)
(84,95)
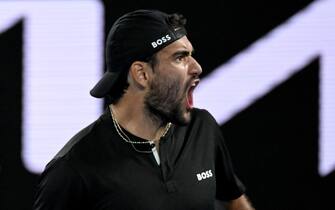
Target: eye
(181,58)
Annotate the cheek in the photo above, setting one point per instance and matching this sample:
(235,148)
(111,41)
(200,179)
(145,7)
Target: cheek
(171,78)
(177,83)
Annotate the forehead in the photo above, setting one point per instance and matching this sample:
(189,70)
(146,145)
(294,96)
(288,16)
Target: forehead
(182,44)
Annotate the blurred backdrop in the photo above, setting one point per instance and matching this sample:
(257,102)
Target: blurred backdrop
(268,78)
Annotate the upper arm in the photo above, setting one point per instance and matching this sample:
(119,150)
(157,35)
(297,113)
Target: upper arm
(229,185)
(240,203)
(60,187)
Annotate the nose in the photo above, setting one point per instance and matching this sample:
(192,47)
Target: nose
(195,68)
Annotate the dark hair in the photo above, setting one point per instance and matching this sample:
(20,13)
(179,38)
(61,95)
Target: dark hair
(122,84)
(174,20)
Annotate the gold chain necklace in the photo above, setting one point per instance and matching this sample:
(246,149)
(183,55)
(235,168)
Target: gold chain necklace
(126,138)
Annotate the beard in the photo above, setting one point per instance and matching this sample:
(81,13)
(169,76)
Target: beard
(165,101)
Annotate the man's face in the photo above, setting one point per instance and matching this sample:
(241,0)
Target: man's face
(176,74)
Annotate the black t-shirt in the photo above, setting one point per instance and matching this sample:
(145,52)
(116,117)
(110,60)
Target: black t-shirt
(98,170)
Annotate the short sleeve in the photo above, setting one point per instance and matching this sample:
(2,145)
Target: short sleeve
(228,185)
(60,188)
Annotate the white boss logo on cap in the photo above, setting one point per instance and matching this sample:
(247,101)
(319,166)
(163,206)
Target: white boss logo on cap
(161,41)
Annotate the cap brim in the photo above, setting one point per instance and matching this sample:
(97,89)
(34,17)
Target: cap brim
(105,84)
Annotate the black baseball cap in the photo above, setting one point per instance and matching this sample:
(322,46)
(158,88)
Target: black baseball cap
(136,36)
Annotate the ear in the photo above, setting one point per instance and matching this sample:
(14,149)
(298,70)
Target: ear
(139,74)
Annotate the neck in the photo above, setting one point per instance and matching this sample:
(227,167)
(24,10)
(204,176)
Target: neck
(133,117)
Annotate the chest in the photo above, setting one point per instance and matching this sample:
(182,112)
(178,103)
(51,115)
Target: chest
(186,181)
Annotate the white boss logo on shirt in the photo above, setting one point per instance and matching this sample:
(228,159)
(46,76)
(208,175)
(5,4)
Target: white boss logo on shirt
(204,175)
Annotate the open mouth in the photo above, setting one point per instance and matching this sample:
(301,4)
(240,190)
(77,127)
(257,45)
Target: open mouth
(189,99)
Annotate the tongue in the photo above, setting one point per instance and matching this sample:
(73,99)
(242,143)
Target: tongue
(190,99)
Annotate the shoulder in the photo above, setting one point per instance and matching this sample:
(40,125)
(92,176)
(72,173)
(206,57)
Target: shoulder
(59,169)
(202,115)
(61,160)
(82,142)
(60,180)
(205,125)
(202,127)
(76,140)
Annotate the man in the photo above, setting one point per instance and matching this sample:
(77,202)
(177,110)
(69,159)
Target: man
(151,149)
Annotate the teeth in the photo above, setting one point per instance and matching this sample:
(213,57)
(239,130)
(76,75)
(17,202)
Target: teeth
(195,83)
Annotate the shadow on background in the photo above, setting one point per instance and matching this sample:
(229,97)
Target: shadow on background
(16,183)
(275,144)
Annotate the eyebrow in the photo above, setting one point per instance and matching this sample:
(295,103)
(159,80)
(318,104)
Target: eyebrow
(183,53)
